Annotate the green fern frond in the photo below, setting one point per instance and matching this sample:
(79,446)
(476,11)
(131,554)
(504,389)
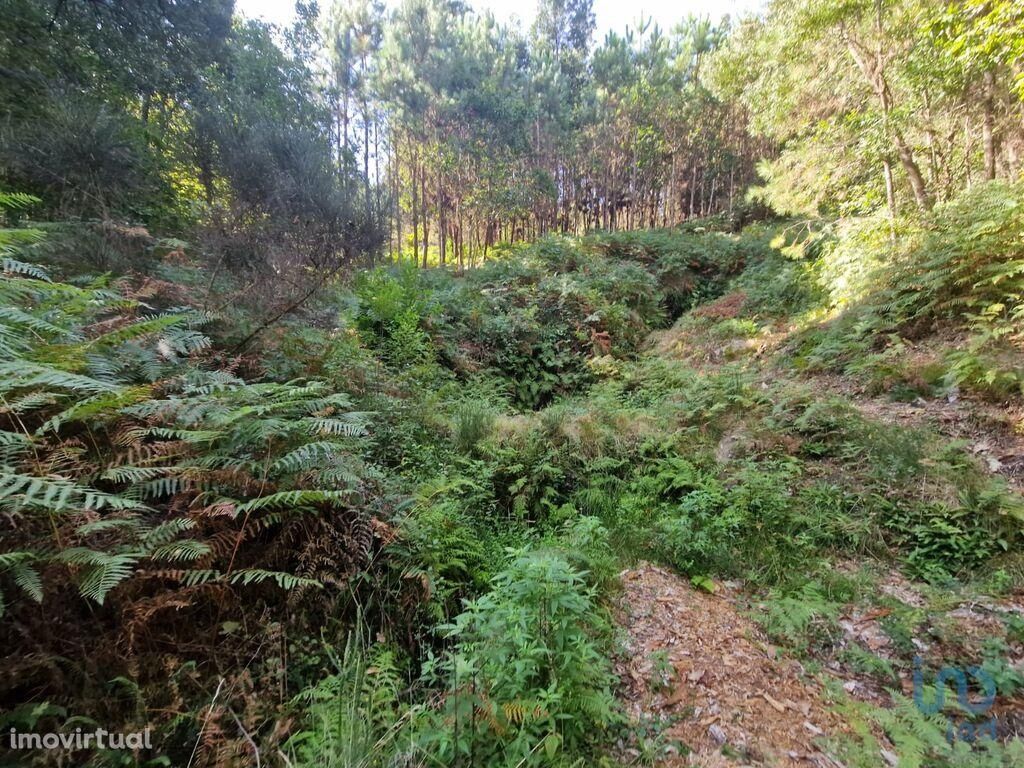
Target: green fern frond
(285,581)
(14,267)
(184,550)
(102,570)
(27,578)
(107,404)
(136,330)
(15,200)
(351,426)
(132,474)
(56,493)
(107,524)
(24,575)
(22,374)
(307,457)
(166,531)
(291,499)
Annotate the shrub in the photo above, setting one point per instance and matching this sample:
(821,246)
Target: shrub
(964,262)
(528,678)
(471,423)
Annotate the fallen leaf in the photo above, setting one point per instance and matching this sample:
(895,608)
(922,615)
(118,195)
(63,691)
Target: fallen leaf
(813,728)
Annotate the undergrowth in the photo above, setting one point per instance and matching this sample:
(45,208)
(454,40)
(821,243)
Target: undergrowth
(393,537)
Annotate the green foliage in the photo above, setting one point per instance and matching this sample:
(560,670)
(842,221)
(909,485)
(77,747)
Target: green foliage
(177,435)
(922,740)
(961,264)
(473,422)
(746,524)
(778,285)
(691,268)
(443,548)
(586,544)
(353,716)
(943,541)
(527,680)
(804,619)
(391,309)
(539,318)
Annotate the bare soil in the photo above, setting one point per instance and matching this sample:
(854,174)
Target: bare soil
(694,659)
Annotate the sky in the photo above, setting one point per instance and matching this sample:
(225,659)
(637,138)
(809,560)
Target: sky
(610,14)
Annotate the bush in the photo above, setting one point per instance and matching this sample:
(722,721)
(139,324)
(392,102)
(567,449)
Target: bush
(964,263)
(528,678)
(471,423)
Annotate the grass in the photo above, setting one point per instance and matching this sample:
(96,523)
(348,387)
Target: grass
(521,431)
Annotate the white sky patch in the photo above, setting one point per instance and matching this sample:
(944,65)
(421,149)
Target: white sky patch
(611,14)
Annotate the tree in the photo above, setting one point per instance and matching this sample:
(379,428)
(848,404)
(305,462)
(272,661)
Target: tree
(924,88)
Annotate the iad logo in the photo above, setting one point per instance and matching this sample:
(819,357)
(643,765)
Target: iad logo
(966,729)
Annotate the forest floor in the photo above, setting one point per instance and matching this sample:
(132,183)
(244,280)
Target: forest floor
(715,682)
(701,676)
(987,428)
(697,669)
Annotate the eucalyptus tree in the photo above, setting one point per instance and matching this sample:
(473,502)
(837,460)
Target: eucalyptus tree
(879,100)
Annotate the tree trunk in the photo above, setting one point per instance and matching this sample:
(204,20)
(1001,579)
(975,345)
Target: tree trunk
(426,220)
(917,183)
(988,125)
(415,214)
(874,73)
(366,161)
(890,196)
(397,202)
(693,189)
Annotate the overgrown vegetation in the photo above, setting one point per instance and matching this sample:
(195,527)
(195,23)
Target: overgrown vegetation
(276,489)
(439,421)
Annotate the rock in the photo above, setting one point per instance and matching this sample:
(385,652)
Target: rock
(716,734)
(890,757)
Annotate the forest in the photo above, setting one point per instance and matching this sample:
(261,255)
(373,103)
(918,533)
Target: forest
(406,387)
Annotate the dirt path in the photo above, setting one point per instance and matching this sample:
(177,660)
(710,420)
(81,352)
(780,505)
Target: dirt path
(994,433)
(695,660)
(989,430)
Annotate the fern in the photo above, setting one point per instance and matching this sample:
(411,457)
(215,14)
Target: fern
(102,571)
(185,550)
(349,427)
(292,499)
(56,494)
(17,564)
(164,533)
(922,740)
(211,448)
(14,267)
(307,456)
(286,581)
(101,406)
(26,375)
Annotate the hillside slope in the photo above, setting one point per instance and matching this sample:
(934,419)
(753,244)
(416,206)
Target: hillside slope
(396,529)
